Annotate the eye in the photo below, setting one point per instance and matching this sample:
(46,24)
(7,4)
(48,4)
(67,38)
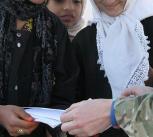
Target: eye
(74,1)
(59,1)
(77,1)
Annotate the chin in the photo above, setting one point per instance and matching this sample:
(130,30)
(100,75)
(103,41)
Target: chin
(114,14)
(68,25)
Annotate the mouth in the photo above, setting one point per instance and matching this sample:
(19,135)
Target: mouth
(113,5)
(66,18)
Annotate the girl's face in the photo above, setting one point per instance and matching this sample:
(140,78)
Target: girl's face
(69,11)
(37,1)
(111,7)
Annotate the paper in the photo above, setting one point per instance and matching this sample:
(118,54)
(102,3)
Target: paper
(48,116)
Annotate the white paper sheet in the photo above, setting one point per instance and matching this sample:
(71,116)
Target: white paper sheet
(48,116)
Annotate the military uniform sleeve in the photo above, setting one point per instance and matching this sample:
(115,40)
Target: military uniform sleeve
(135,115)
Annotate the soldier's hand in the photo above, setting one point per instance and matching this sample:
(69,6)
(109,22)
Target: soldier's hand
(87,118)
(137,91)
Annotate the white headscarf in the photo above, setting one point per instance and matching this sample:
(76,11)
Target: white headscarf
(122,46)
(73,30)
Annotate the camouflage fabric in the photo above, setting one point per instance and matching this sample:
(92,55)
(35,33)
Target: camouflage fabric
(135,115)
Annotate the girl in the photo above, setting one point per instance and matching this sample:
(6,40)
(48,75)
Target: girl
(32,58)
(71,14)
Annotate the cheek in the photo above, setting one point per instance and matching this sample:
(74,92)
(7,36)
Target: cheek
(99,4)
(78,13)
(56,9)
(57,12)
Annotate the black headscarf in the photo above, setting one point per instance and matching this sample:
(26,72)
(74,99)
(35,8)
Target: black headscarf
(21,9)
(10,10)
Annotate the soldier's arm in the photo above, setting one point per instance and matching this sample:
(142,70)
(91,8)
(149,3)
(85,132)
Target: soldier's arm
(135,115)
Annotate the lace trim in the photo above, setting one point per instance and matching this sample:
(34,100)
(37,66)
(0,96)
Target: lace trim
(143,39)
(100,42)
(141,73)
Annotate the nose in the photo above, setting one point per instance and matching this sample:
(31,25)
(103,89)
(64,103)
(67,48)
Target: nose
(68,5)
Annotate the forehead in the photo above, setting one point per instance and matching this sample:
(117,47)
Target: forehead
(110,3)
(107,1)
(67,0)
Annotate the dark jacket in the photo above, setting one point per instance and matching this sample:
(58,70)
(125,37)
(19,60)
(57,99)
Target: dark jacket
(29,64)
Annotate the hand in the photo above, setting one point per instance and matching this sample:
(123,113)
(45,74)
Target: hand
(14,118)
(87,118)
(137,91)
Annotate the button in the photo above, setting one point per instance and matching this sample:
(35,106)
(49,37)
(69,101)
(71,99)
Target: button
(16,87)
(18,35)
(18,45)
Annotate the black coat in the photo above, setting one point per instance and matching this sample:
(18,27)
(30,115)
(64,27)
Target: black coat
(22,83)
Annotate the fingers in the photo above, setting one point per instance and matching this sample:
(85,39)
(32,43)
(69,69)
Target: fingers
(80,133)
(25,124)
(18,132)
(126,93)
(86,119)
(130,91)
(23,120)
(69,120)
(74,106)
(27,130)
(68,126)
(15,118)
(65,117)
(27,127)
(21,131)
(69,113)
(75,129)
(76,132)
(23,115)
(136,91)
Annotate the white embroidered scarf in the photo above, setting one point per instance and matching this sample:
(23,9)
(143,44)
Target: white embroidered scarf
(73,30)
(122,46)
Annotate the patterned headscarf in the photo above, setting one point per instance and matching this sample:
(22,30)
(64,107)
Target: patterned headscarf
(10,10)
(21,9)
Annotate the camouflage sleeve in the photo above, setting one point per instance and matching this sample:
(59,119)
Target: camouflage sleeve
(135,115)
